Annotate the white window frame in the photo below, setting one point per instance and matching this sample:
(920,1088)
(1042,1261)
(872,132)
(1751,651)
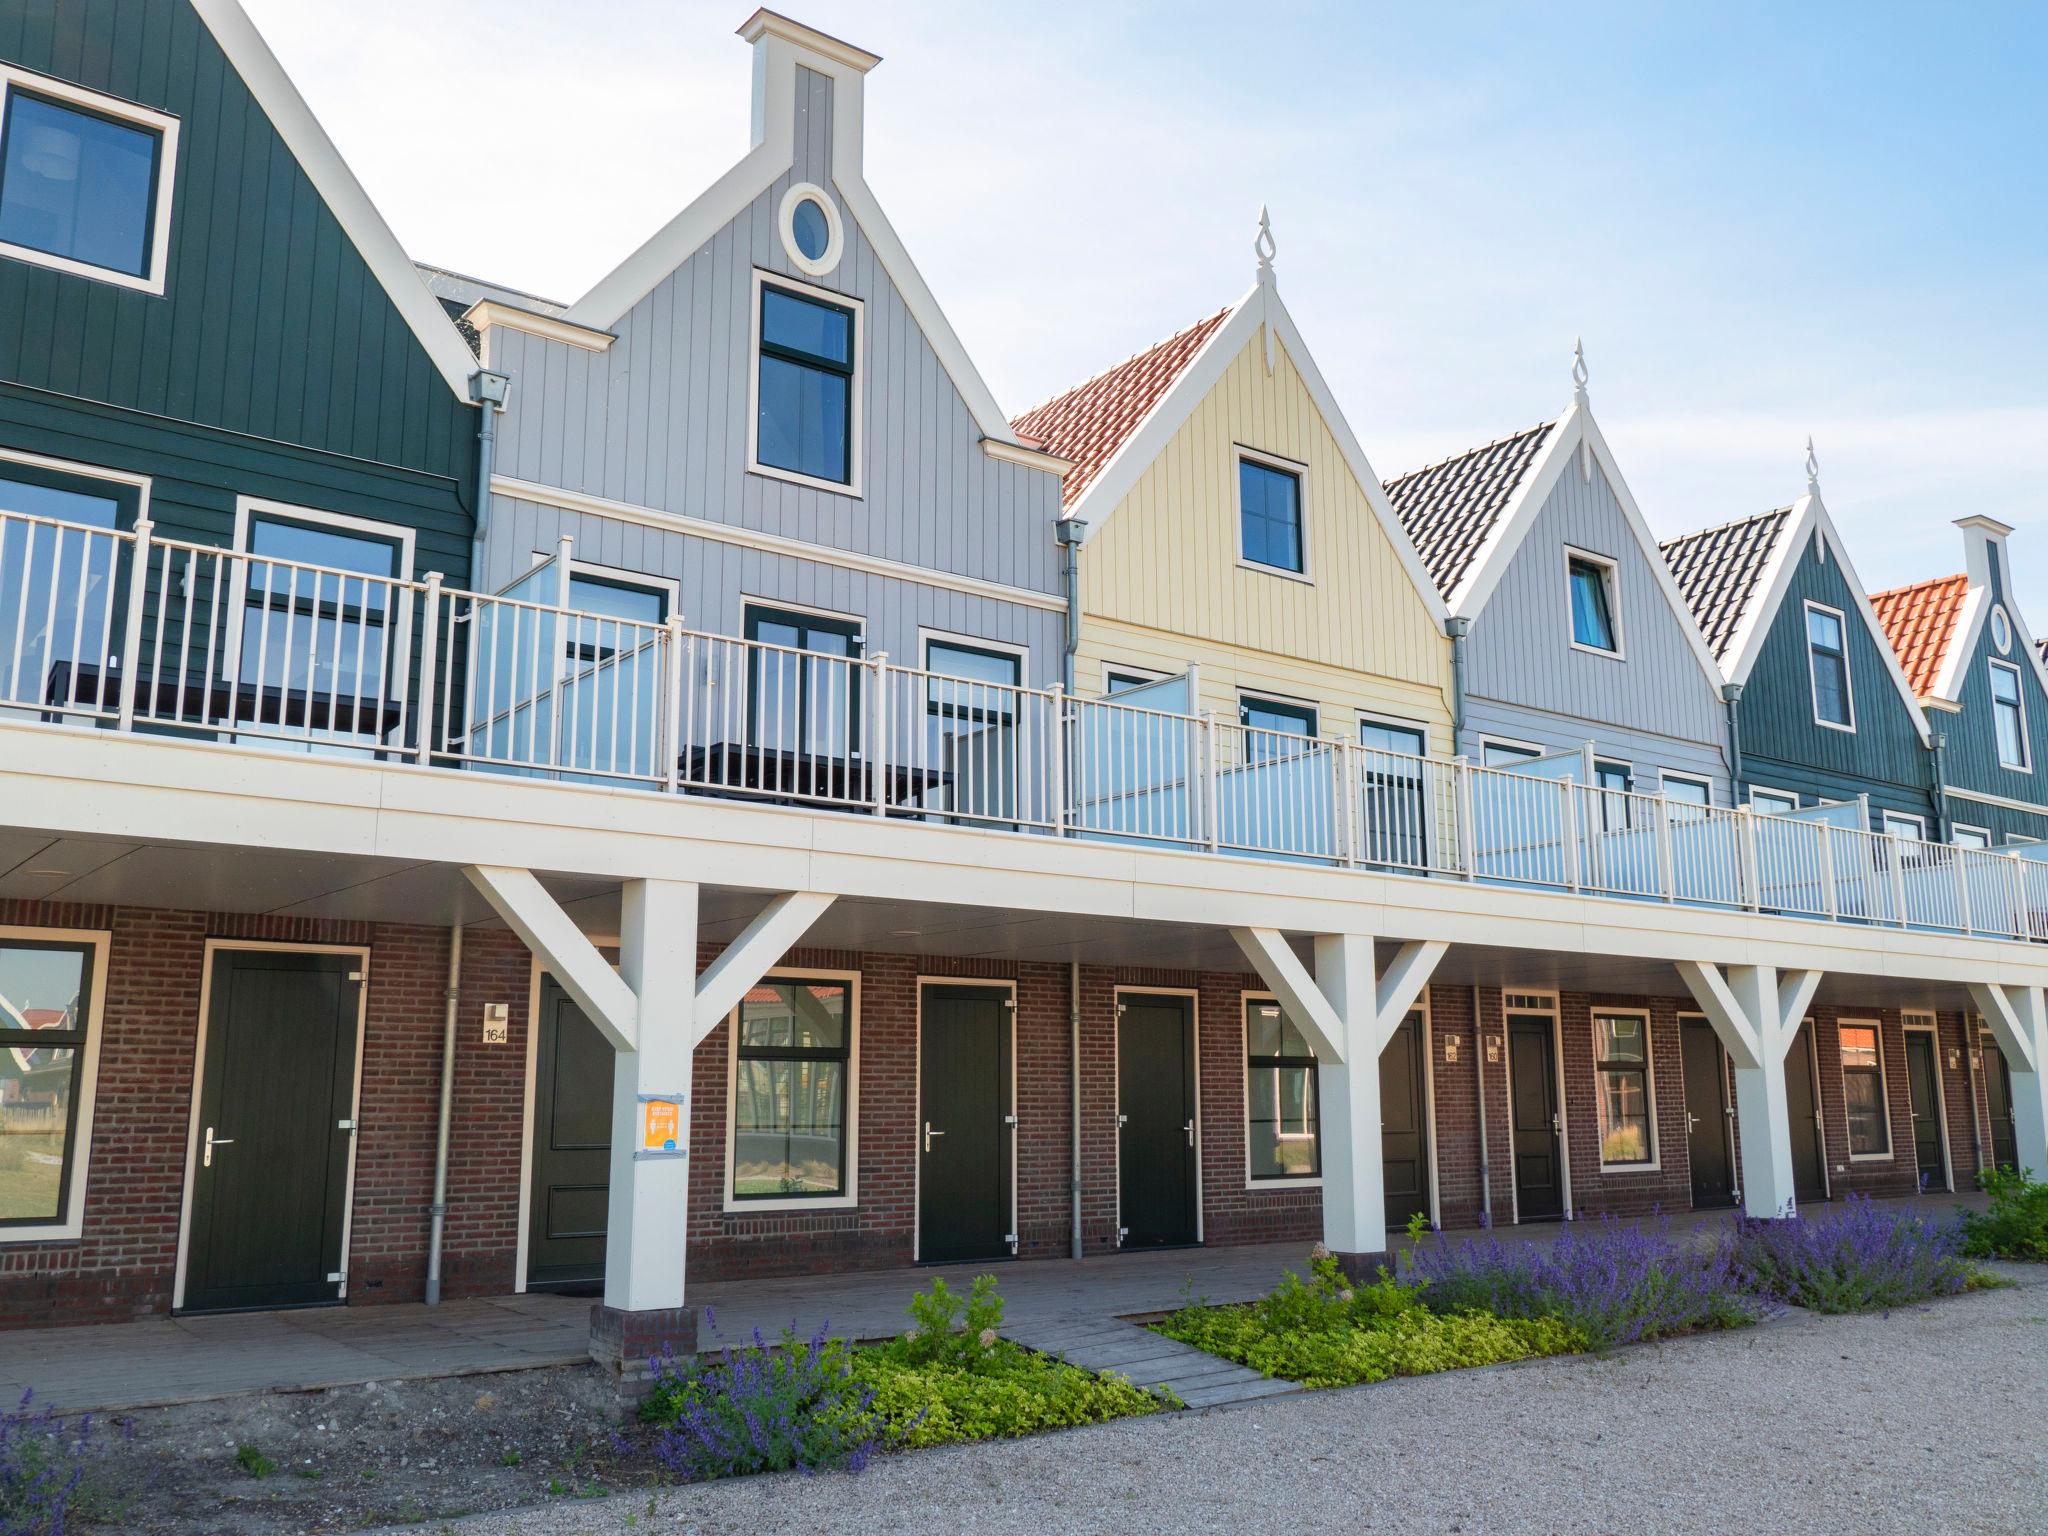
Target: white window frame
(71,1223)
(2020,840)
(1534,749)
(1398,722)
(1611,573)
(1267,696)
(12,78)
(1245,1000)
(731,1203)
(1957,827)
(1127,669)
(1767,792)
(1656,1162)
(1884,1092)
(121,477)
(1292,467)
(2019,693)
(1893,823)
(1813,677)
(856,384)
(1667,776)
(927,638)
(835,229)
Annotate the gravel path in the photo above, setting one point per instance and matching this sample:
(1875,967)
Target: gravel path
(1931,1419)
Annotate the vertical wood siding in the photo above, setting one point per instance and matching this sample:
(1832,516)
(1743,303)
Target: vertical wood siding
(1165,566)
(1655,707)
(660,420)
(1971,761)
(1784,748)
(271,324)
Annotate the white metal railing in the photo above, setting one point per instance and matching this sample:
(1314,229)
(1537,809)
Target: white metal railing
(127,631)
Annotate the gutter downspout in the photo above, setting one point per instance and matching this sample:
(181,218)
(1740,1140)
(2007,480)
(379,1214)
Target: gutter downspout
(1971,1062)
(1937,748)
(437,1213)
(1074,1056)
(1479,1076)
(1458,627)
(1732,692)
(1070,532)
(489,391)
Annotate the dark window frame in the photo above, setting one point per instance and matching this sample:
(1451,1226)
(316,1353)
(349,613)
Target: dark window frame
(1312,1098)
(1837,655)
(1607,582)
(815,362)
(843,1054)
(2016,707)
(77,1040)
(1294,477)
(851,630)
(1875,1072)
(151,255)
(1607,1067)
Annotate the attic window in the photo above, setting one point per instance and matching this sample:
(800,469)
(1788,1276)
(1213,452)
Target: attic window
(1591,581)
(806,386)
(812,236)
(2001,630)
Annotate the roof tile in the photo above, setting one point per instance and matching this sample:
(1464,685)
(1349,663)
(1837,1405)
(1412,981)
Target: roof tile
(1091,421)
(1920,621)
(1450,507)
(1720,571)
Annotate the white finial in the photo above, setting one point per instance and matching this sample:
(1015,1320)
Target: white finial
(1812,468)
(1579,374)
(1263,247)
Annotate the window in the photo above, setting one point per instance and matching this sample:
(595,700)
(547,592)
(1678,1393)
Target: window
(1621,1044)
(805,417)
(85,181)
(793,1058)
(1592,581)
(1970,837)
(1863,1092)
(62,584)
(971,719)
(2009,716)
(1268,721)
(1772,802)
(1396,813)
(2001,630)
(1827,665)
(1269,515)
(1117,679)
(46,1069)
(1279,1095)
(1899,824)
(1614,781)
(610,688)
(1683,789)
(809,225)
(1506,754)
(804,697)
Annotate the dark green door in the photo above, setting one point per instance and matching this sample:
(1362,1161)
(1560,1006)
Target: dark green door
(1404,1124)
(572,1146)
(2005,1139)
(276,1092)
(1923,1080)
(1155,1078)
(1533,1117)
(1809,1150)
(1706,1116)
(963,1168)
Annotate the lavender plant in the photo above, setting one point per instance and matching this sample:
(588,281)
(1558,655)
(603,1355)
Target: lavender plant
(41,1467)
(1853,1257)
(762,1408)
(1612,1282)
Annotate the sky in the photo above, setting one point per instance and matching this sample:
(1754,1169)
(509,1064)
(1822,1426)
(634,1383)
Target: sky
(1765,221)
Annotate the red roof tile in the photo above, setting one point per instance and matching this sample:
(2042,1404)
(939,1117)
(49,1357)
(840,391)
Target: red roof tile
(1091,421)
(1920,622)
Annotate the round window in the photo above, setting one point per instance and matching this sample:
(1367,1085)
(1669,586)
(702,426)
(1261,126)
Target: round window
(2001,630)
(810,229)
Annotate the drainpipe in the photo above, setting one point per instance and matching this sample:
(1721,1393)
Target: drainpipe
(1074,1055)
(1937,748)
(490,391)
(1479,1076)
(1972,1039)
(437,1213)
(1732,692)
(1070,532)
(1457,628)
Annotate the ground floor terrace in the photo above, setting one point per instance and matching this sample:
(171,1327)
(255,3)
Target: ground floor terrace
(295,1032)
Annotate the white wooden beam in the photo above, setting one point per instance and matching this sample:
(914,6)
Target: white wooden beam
(1795,996)
(1300,998)
(743,962)
(1402,982)
(2005,1011)
(571,958)
(1731,1021)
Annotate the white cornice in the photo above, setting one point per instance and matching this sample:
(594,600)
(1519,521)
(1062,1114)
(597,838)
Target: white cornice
(765,22)
(1030,458)
(770,543)
(309,144)
(488,314)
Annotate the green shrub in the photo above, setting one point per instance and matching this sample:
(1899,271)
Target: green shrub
(1325,1332)
(2016,1226)
(1003,1392)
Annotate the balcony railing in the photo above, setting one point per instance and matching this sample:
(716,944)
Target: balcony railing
(125,631)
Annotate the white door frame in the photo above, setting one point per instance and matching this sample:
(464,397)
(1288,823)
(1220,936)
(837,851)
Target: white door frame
(994,984)
(1925,1021)
(1116,1078)
(1554,1009)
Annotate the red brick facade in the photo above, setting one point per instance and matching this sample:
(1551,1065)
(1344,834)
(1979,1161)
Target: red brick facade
(124,1262)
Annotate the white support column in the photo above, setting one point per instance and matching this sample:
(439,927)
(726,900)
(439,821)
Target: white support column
(2018,1020)
(1757,1014)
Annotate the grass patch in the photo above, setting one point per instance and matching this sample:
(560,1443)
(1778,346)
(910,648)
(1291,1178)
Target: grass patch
(2016,1225)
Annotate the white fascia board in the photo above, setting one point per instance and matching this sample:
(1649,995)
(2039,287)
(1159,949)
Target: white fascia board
(1362,471)
(1897,673)
(1754,627)
(309,144)
(1962,645)
(1108,490)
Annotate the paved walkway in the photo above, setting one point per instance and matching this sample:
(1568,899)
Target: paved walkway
(1145,1359)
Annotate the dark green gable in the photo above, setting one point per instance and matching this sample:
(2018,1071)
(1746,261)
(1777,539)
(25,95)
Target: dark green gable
(1784,747)
(1971,760)
(274,365)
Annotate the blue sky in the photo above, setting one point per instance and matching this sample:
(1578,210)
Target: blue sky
(1765,221)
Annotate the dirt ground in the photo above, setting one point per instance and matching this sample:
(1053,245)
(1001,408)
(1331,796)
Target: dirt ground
(402,1453)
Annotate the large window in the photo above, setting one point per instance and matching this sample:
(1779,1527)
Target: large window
(1590,582)
(1396,809)
(970,727)
(793,1057)
(1773,802)
(1827,662)
(1615,781)
(1621,1043)
(1269,723)
(1684,789)
(1280,1095)
(45,1019)
(610,697)
(2009,716)
(1506,754)
(60,580)
(804,697)
(1269,515)
(85,181)
(805,389)
(1863,1092)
